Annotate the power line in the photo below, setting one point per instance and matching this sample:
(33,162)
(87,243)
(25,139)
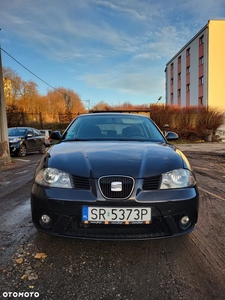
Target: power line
(31,72)
(65,96)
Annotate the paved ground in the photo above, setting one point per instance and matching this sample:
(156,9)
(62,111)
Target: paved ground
(204,147)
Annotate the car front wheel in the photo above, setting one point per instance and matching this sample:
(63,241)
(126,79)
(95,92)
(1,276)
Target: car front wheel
(22,150)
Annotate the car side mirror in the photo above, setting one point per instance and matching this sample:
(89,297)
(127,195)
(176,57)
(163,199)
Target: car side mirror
(29,135)
(171,136)
(55,135)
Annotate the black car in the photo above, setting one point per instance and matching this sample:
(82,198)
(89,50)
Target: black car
(114,176)
(25,139)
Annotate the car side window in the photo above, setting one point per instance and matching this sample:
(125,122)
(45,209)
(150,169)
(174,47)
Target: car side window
(36,132)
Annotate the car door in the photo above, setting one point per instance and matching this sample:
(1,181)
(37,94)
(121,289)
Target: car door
(30,140)
(39,140)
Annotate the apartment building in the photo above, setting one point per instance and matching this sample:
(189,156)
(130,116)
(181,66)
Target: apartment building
(195,76)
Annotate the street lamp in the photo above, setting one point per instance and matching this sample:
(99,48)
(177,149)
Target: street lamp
(159,99)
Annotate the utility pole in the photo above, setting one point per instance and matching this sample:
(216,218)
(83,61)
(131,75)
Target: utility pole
(4,143)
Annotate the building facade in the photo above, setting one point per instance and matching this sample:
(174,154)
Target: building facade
(195,76)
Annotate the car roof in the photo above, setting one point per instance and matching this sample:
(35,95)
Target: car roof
(22,127)
(111,114)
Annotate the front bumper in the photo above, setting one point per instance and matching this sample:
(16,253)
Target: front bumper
(14,147)
(64,208)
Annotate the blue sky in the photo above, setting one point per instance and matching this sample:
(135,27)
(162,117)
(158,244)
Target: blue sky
(113,51)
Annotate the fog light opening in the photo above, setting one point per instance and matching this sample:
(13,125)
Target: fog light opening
(46,221)
(185,222)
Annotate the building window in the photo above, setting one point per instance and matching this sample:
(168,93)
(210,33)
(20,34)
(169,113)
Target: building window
(171,66)
(201,60)
(188,70)
(179,76)
(201,80)
(188,52)
(200,100)
(178,93)
(171,81)
(188,87)
(201,40)
(179,59)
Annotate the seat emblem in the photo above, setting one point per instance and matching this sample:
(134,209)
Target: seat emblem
(116,186)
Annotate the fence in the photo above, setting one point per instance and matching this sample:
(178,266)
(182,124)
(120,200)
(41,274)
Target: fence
(36,120)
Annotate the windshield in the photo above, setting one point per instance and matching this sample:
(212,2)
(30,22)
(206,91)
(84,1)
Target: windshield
(16,132)
(113,127)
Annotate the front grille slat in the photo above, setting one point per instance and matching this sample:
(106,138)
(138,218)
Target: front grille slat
(127,186)
(151,183)
(82,183)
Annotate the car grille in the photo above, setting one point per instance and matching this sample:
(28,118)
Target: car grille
(151,183)
(127,185)
(81,182)
(74,227)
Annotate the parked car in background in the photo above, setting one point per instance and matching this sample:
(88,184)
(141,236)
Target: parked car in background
(114,176)
(46,133)
(25,139)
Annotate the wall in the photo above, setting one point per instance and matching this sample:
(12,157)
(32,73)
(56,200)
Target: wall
(216,75)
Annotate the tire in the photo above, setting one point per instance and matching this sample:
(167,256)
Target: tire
(22,151)
(43,149)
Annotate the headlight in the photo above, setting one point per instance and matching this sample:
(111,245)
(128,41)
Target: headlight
(15,140)
(53,178)
(176,179)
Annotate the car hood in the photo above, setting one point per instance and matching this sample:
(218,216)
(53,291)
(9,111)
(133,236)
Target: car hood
(136,159)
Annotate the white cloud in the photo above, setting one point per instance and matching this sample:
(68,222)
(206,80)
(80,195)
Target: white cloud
(143,83)
(122,8)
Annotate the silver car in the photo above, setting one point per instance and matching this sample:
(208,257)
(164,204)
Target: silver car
(46,133)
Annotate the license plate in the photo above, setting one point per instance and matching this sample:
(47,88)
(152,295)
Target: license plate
(119,215)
